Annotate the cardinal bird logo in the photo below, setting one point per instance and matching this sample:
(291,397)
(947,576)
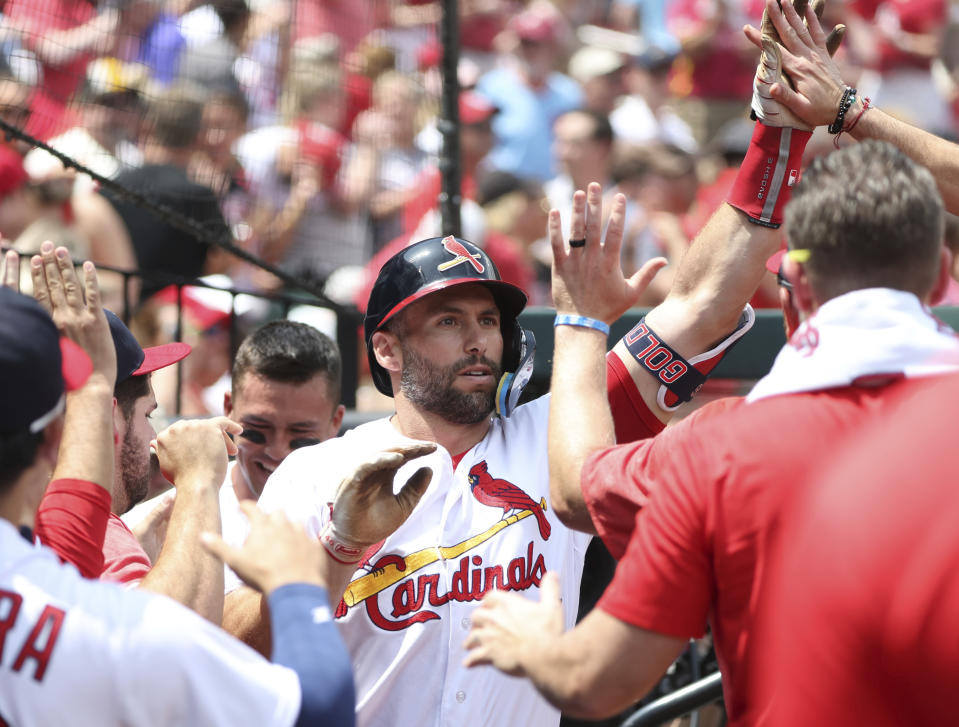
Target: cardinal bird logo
(462,255)
(500,493)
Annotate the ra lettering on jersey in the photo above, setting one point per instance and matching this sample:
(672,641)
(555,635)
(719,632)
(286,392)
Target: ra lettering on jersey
(37,648)
(414,597)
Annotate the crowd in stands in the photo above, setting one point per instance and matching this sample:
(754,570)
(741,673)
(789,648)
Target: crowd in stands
(306,131)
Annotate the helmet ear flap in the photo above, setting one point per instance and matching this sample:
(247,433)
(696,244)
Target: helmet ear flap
(518,359)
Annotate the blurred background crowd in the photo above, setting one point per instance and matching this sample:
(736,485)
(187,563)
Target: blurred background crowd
(306,132)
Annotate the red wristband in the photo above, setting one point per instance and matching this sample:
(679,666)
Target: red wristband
(771,168)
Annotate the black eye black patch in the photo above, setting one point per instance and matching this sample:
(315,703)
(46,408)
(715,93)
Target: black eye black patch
(254,436)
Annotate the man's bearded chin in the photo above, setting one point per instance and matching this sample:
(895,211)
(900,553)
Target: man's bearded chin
(431,388)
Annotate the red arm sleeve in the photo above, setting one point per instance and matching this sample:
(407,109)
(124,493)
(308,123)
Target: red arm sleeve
(663,583)
(631,415)
(72,520)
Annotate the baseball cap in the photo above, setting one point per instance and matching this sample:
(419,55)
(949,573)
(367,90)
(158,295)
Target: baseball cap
(591,62)
(132,359)
(534,26)
(201,305)
(474,108)
(37,366)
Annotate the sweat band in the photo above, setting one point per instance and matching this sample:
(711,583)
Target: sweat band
(339,550)
(771,168)
(680,379)
(564,319)
(306,640)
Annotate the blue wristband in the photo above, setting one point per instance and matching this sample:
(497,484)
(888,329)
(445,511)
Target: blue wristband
(564,319)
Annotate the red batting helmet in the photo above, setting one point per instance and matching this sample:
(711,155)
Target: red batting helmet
(436,264)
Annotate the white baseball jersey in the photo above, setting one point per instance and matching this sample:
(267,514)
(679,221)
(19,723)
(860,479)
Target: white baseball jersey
(82,652)
(485,524)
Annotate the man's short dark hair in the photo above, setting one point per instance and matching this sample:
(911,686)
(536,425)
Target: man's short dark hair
(176,116)
(602,128)
(289,352)
(871,218)
(128,391)
(17,452)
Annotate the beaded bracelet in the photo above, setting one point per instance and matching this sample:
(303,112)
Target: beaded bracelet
(564,319)
(848,99)
(865,107)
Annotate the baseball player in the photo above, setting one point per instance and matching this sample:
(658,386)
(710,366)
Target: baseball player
(285,395)
(441,329)
(864,230)
(76,651)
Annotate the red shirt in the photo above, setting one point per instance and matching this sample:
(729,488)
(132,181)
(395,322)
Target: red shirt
(858,623)
(74,519)
(50,98)
(701,543)
(124,560)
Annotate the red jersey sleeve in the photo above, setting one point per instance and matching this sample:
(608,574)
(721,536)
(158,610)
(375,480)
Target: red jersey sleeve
(663,583)
(617,481)
(125,561)
(72,520)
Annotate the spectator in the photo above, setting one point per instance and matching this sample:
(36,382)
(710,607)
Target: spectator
(600,73)
(530,96)
(645,114)
(108,108)
(897,44)
(162,251)
(63,36)
(149,34)
(583,149)
(715,69)
(660,184)
(307,219)
(211,63)
(386,159)
(14,106)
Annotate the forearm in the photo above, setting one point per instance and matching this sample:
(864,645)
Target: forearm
(580,421)
(86,449)
(717,277)
(246,615)
(939,156)
(185,571)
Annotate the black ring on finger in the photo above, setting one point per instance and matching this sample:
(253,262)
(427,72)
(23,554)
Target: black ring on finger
(580,242)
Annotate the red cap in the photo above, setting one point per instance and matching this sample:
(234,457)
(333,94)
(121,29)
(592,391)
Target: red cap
(159,357)
(474,108)
(200,313)
(534,26)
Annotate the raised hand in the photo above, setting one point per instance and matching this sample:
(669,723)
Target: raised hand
(588,280)
(74,306)
(797,80)
(365,510)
